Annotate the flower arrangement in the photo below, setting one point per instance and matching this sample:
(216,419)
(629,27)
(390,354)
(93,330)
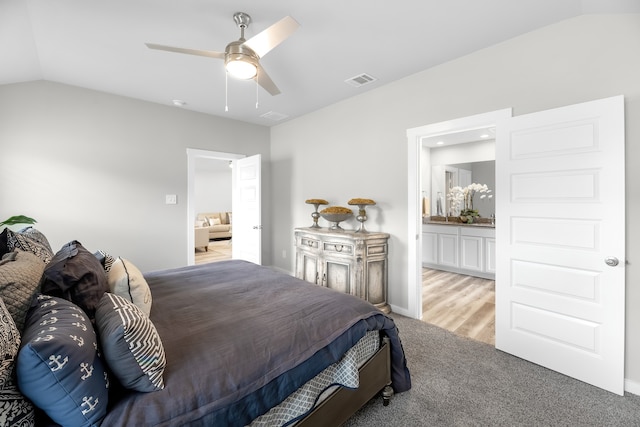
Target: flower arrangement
(316,202)
(462,200)
(336,210)
(359,201)
(336,214)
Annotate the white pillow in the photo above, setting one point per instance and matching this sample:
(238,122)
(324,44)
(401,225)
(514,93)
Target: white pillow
(214,221)
(127,281)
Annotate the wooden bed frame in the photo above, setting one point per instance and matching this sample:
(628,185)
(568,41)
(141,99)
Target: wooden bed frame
(375,377)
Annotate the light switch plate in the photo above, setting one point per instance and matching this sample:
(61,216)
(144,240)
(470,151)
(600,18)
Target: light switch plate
(171,199)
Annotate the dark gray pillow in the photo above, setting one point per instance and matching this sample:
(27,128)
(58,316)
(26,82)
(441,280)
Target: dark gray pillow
(131,345)
(3,242)
(76,275)
(19,281)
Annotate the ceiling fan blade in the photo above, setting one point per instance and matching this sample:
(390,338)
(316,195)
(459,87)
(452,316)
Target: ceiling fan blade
(266,40)
(265,81)
(208,53)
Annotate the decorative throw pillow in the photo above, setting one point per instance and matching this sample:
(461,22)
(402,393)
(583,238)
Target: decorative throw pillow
(214,221)
(58,365)
(3,242)
(106,260)
(15,409)
(128,282)
(19,280)
(30,240)
(130,343)
(9,345)
(76,275)
(8,257)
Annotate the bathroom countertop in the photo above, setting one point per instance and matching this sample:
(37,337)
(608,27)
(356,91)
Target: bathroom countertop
(482,222)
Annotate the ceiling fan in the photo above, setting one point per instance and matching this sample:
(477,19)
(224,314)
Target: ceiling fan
(242,57)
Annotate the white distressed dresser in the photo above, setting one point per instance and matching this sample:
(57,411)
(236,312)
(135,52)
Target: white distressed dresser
(347,261)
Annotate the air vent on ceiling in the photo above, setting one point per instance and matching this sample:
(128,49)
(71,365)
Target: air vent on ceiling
(360,80)
(272,115)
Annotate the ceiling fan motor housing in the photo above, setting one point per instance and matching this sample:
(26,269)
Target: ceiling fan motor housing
(236,53)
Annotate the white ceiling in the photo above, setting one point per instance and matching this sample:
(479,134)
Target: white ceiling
(100,45)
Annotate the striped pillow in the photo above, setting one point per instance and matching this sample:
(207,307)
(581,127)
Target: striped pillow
(130,344)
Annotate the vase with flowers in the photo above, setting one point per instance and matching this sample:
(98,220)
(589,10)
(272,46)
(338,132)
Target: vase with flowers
(462,200)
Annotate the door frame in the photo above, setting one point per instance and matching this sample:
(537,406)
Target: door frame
(192,155)
(414,223)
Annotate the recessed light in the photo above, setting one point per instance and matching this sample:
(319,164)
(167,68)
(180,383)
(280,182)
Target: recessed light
(440,143)
(179,103)
(484,135)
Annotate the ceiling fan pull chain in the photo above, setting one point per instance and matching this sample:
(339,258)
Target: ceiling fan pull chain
(257,103)
(226,91)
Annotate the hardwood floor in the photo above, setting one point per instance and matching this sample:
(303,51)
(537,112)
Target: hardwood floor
(462,304)
(218,250)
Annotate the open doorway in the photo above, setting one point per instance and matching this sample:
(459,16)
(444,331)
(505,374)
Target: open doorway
(195,161)
(214,213)
(445,293)
(550,166)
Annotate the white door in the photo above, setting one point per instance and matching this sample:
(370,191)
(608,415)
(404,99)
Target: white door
(560,228)
(247,213)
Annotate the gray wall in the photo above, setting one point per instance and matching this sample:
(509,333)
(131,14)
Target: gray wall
(96,168)
(358,147)
(212,184)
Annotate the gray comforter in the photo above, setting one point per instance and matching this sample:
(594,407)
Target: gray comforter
(239,338)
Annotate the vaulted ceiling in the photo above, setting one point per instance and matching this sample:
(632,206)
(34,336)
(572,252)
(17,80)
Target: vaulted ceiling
(100,45)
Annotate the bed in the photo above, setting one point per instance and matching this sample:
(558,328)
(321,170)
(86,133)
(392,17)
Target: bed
(244,345)
(285,332)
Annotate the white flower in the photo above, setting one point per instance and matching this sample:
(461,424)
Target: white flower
(463,197)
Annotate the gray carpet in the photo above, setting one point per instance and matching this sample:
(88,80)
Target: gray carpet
(461,382)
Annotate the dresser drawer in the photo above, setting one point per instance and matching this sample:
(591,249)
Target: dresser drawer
(340,248)
(306,242)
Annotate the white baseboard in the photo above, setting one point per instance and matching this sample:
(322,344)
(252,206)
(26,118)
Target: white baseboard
(632,387)
(400,310)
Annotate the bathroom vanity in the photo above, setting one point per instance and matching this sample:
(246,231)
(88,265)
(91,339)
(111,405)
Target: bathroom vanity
(460,248)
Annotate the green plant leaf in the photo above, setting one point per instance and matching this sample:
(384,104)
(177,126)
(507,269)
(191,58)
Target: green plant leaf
(18,219)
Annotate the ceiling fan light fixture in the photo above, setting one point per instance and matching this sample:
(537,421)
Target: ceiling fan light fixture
(241,66)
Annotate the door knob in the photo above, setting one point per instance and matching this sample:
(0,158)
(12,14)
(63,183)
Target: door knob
(611,261)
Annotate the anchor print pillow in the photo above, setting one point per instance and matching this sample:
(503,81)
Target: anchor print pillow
(58,365)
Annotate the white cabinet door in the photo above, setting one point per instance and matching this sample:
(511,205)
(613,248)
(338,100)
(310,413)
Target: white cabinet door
(490,255)
(448,250)
(471,253)
(429,248)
